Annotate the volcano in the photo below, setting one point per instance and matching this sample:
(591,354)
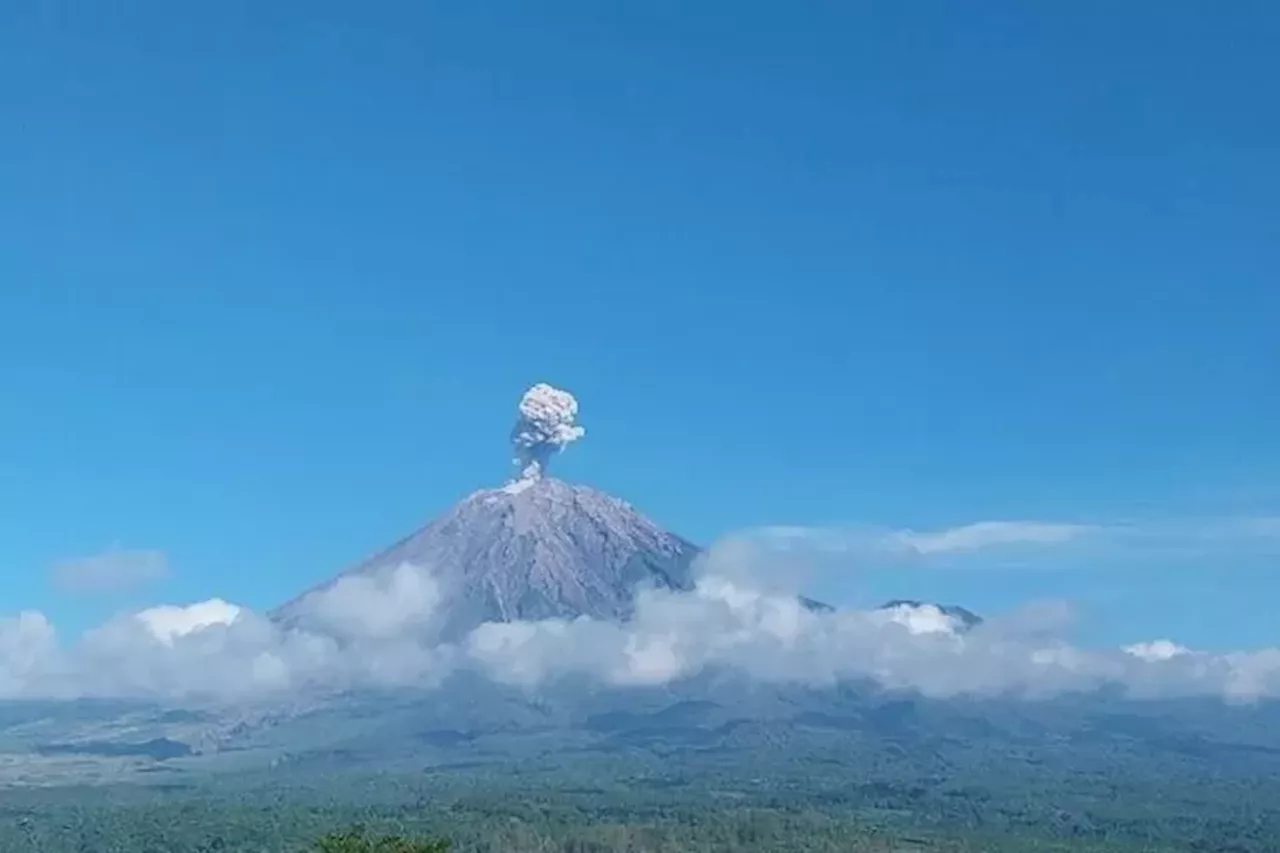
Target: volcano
(538,548)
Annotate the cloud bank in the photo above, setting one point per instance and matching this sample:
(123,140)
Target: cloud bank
(375,632)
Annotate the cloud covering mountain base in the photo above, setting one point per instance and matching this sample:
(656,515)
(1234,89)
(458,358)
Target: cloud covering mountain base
(375,632)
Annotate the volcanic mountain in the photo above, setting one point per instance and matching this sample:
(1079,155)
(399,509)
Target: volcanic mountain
(537,548)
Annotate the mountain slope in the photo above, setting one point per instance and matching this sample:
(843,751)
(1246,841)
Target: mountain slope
(536,549)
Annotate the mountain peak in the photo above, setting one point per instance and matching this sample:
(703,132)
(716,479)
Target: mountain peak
(537,548)
(924,615)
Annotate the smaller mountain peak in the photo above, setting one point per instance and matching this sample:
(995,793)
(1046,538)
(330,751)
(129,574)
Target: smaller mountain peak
(959,618)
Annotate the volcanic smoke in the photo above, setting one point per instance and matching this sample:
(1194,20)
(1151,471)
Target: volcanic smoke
(546,426)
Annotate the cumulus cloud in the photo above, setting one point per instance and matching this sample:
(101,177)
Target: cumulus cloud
(922,618)
(358,632)
(546,424)
(114,569)
(372,632)
(28,647)
(167,622)
(378,607)
(776,639)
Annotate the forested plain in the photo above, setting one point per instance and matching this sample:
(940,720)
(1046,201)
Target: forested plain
(862,773)
(731,810)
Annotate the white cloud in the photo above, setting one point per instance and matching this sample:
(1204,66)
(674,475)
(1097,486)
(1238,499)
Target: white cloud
(376,607)
(773,638)
(1156,650)
(167,622)
(988,534)
(370,632)
(28,648)
(922,619)
(360,631)
(113,569)
(923,544)
(1030,542)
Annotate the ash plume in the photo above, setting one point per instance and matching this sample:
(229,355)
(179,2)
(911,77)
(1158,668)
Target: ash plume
(546,425)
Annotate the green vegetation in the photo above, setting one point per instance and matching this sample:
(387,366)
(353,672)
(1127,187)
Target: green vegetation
(555,814)
(771,771)
(356,841)
(881,780)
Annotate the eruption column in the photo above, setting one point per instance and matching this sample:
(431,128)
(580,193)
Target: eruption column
(546,425)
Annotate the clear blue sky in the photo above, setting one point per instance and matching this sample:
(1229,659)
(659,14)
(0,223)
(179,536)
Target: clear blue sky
(273,276)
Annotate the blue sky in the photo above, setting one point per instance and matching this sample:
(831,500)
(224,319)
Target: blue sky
(273,279)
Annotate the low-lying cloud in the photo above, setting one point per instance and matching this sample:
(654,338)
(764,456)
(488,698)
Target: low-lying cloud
(372,632)
(168,623)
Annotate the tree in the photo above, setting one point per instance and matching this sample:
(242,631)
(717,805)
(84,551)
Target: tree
(355,841)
